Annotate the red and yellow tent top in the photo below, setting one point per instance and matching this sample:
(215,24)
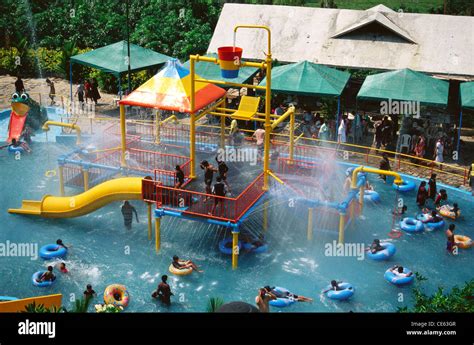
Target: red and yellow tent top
(170,89)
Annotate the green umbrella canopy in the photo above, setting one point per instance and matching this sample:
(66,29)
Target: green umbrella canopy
(113,58)
(405,85)
(307,78)
(467,95)
(210,71)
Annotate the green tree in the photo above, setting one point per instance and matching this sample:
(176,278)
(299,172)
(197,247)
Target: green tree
(458,300)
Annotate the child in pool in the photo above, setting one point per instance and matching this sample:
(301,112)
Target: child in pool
(400,211)
(62,268)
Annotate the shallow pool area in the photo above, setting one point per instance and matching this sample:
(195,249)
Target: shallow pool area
(103,252)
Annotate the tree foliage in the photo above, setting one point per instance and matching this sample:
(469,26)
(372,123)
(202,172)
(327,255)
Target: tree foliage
(458,300)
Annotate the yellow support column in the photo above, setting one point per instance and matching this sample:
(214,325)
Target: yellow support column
(61,180)
(192,125)
(123,135)
(149,219)
(292,136)
(85,171)
(310,224)
(157,234)
(342,223)
(235,249)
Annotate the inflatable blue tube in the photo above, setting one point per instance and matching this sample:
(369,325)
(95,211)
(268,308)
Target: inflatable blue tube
(7,298)
(370,195)
(12,149)
(410,224)
(249,247)
(385,254)
(51,251)
(396,280)
(282,302)
(227,250)
(340,295)
(430,226)
(406,186)
(37,275)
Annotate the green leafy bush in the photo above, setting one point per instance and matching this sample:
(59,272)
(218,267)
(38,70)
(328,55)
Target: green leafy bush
(458,300)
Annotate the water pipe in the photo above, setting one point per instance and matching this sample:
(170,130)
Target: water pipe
(398,178)
(67,125)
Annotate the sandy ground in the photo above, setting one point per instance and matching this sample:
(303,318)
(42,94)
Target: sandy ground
(38,86)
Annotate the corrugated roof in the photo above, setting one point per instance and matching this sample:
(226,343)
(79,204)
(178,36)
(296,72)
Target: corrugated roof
(444,44)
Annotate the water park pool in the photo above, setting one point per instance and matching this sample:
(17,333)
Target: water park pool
(103,252)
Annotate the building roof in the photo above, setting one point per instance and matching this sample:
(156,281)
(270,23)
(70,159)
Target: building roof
(377,38)
(113,58)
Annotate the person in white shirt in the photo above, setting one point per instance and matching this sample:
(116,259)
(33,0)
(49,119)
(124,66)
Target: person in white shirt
(341,131)
(439,151)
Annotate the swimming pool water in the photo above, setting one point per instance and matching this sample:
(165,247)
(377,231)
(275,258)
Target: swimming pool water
(104,252)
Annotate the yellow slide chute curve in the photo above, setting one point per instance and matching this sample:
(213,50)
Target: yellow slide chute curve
(127,188)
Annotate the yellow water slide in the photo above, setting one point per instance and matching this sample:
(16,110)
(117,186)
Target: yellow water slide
(126,188)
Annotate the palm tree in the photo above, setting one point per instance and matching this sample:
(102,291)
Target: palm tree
(40,308)
(213,304)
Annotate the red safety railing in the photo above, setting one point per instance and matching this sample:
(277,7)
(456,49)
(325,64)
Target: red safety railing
(202,204)
(249,196)
(295,167)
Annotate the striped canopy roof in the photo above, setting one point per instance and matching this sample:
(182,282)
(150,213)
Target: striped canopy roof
(170,89)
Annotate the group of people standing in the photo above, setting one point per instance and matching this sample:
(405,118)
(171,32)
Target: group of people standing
(88,90)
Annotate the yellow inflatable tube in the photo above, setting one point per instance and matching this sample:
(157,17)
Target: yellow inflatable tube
(180,272)
(463,242)
(117,295)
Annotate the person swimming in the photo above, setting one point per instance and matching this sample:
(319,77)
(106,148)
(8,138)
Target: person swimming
(450,243)
(60,244)
(441,196)
(62,268)
(47,276)
(375,246)
(22,144)
(398,271)
(434,218)
(288,295)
